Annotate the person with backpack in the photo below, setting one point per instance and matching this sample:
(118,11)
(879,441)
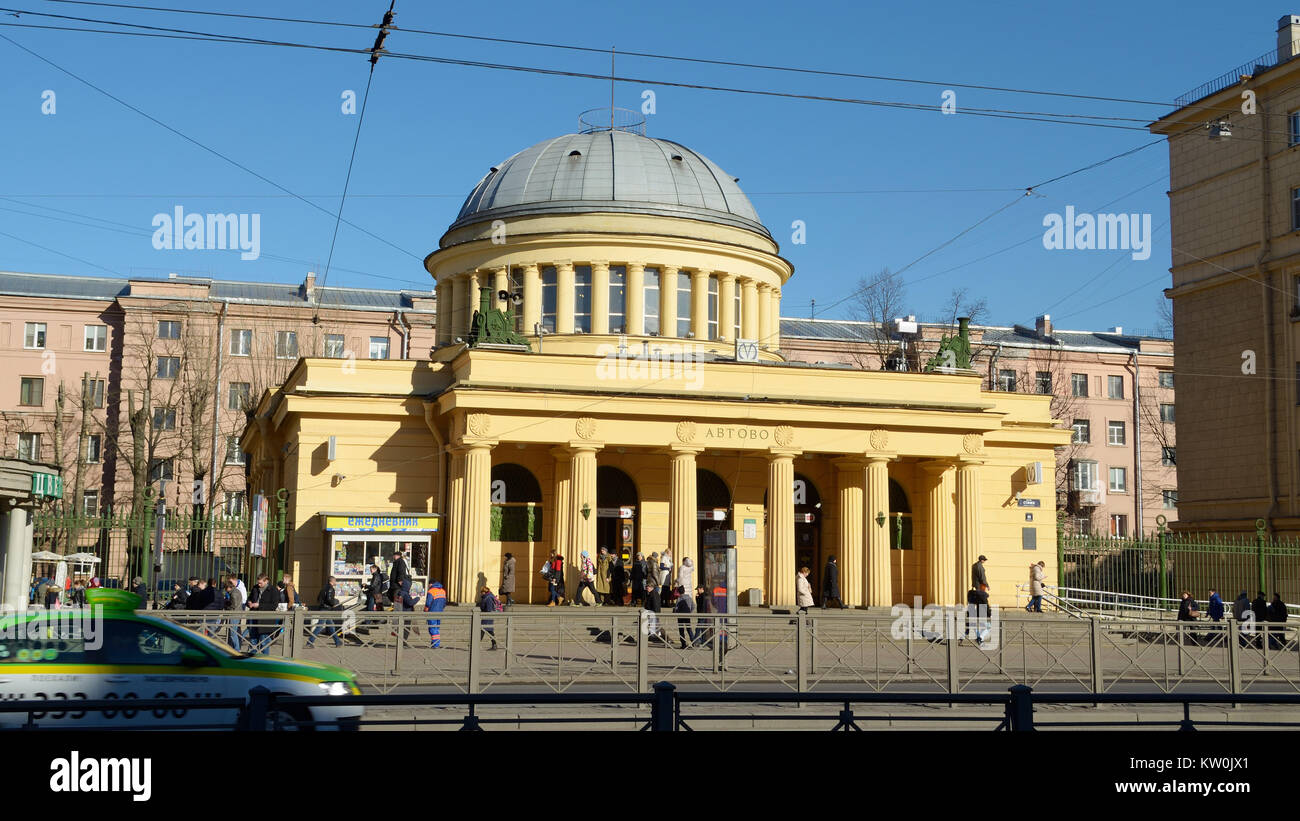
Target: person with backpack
(326,600)
(586,581)
(555,579)
(488,603)
(435,601)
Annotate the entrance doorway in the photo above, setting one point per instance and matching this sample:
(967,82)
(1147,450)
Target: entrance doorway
(617,506)
(808,532)
(712,508)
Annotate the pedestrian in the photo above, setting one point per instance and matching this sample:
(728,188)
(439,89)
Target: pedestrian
(488,604)
(78,595)
(977,613)
(399,578)
(435,601)
(586,581)
(604,568)
(977,574)
(831,584)
(665,569)
(703,604)
(52,593)
(1259,616)
(685,604)
(327,601)
(617,582)
(234,604)
(803,590)
(1245,618)
(290,593)
(507,580)
(554,574)
(216,600)
(268,601)
(638,576)
(686,575)
(140,589)
(1187,608)
(1276,615)
(653,606)
(1037,573)
(375,589)
(1216,605)
(42,587)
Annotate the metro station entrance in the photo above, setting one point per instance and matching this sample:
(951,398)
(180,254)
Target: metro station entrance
(617,506)
(808,532)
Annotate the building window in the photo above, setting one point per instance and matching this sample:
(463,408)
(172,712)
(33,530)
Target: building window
(34,335)
(683,304)
(1166,413)
(1085,475)
(739,301)
(333,346)
(160,469)
(169,329)
(1082,432)
(1170,499)
(1168,457)
(286,345)
(378,347)
(234,455)
(1293,128)
(1079,384)
(169,367)
(164,419)
(1114,433)
(713,307)
(29,446)
(1295,209)
(232,505)
(96,338)
(1119,526)
(241,342)
(31,391)
(1165,379)
(1083,526)
(240,395)
(1007,381)
(1115,387)
(1043,382)
(618,299)
(94,448)
(90,503)
(97,388)
(582,298)
(548,299)
(650,290)
(1119,480)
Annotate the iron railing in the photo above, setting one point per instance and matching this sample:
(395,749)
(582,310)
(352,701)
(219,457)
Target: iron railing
(1263,62)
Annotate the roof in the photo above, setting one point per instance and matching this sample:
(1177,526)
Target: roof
(251,293)
(610,170)
(845,330)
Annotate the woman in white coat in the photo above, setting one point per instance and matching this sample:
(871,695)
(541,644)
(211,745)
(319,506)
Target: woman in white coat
(666,569)
(803,590)
(686,576)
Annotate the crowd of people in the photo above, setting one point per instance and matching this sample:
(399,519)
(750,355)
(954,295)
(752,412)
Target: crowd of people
(607,580)
(48,593)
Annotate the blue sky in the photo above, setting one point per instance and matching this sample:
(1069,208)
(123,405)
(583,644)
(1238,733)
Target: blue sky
(432,130)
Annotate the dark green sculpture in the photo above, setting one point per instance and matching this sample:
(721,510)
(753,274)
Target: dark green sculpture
(954,351)
(492,325)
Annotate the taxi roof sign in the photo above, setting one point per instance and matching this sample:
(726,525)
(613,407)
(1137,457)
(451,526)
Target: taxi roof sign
(111,599)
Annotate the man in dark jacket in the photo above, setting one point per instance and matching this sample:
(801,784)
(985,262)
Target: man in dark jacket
(831,584)
(977,613)
(399,579)
(685,604)
(638,576)
(1216,605)
(200,596)
(1259,611)
(140,589)
(652,604)
(1276,615)
(977,574)
(1187,608)
(326,600)
(375,590)
(268,601)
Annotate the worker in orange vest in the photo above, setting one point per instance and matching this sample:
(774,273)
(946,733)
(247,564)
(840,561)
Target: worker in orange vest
(435,601)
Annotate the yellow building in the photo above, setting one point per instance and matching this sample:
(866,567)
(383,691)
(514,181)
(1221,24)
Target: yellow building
(649,403)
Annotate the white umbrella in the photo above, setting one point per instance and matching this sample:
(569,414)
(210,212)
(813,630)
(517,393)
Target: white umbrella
(46,556)
(82,558)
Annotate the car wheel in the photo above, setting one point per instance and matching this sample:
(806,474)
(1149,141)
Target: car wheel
(292,719)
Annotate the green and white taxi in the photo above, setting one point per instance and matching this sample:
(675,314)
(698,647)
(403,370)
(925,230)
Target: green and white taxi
(109,651)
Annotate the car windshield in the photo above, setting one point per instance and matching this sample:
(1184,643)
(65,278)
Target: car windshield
(211,645)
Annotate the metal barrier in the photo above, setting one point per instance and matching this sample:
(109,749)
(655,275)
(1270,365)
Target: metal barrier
(625,651)
(1085,602)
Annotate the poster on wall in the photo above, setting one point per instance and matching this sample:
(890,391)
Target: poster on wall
(257,527)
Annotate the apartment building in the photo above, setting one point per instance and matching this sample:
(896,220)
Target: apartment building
(134,383)
(1114,390)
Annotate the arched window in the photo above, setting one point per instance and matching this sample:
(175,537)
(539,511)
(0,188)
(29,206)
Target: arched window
(516,514)
(900,518)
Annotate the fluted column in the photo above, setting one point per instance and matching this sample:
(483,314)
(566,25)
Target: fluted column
(563,513)
(564,294)
(749,313)
(532,298)
(478,494)
(582,492)
(700,304)
(683,502)
(941,553)
(667,301)
(879,581)
(635,298)
(473,280)
(774,329)
(851,481)
(726,305)
(500,282)
(968,521)
(600,297)
(456,523)
(440,332)
(764,314)
(780,527)
(454,308)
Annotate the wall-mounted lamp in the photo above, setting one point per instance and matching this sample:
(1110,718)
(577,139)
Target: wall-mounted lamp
(586,511)
(337,479)
(880,519)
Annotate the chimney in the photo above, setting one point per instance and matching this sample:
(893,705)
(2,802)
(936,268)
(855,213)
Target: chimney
(309,286)
(1288,33)
(1043,325)
(1118,329)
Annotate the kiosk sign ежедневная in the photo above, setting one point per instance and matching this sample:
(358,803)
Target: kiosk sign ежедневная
(382,524)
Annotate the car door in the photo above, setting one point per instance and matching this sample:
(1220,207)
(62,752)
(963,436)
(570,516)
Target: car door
(45,660)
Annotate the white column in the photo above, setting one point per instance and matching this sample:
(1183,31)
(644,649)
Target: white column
(564,296)
(600,297)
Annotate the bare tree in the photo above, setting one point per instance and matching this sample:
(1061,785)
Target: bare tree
(961,304)
(1165,316)
(879,299)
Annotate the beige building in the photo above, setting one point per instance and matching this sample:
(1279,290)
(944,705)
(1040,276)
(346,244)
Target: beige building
(189,355)
(1235,210)
(1115,391)
(630,393)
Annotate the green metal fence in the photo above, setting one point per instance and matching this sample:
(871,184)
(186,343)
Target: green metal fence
(160,545)
(1164,563)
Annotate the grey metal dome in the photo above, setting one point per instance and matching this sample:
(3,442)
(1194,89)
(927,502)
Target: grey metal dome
(610,171)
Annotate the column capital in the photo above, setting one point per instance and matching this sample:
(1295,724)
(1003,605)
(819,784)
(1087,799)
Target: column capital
(937,466)
(875,457)
(683,450)
(724,276)
(577,446)
(566,264)
(527,266)
(599,264)
(561,453)
(763,286)
(966,462)
(635,266)
(783,453)
(494,268)
(848,463)
(468,443)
